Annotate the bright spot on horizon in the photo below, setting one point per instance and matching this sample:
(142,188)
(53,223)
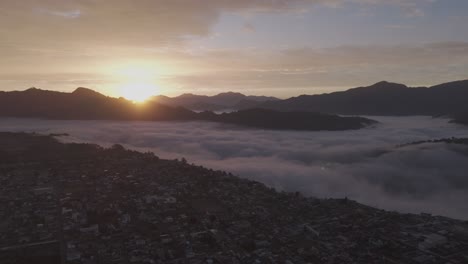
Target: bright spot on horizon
(138,92)
(137,82)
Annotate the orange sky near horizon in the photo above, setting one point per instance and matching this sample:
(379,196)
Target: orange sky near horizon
(280,48)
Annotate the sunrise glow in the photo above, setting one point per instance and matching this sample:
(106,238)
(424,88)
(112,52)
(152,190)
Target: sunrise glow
(136,81)
(138,92)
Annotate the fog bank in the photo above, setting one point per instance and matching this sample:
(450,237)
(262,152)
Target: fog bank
(364,165)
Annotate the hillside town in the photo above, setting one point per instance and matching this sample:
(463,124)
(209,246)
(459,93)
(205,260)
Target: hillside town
(81,203)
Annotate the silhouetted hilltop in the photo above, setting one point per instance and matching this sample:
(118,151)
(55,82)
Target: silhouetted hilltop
(81,104)
(81,91)
(383,98)
(262,118)
(222,101)
(87,104)
(460,119)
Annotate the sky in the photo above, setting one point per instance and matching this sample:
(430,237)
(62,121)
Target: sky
(281,48)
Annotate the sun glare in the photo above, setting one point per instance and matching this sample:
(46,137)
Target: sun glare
(137,82)
(138,92)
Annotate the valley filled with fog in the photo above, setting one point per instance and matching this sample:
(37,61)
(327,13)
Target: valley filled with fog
(365,165)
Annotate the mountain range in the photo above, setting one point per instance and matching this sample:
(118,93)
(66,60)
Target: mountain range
(219,102)
(383,98)
(86,104)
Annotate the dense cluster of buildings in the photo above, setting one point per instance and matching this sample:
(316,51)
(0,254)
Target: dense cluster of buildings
(119,206)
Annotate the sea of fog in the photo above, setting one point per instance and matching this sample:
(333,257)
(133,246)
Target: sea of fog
(364,165)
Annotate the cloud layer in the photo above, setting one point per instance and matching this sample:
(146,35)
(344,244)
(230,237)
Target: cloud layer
(364,165)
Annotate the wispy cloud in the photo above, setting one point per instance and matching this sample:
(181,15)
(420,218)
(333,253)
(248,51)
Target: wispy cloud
(132,21)
(248,27)
(64,14)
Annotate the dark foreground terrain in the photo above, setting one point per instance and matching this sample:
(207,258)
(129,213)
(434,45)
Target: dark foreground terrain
(80,203)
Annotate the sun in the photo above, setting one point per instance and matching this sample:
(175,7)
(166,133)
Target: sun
(138,91)
(137,82)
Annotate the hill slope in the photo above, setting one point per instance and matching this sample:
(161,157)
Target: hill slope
(217,102)
(383,98)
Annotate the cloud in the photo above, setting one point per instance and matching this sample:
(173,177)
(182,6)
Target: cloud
(165,17)
(411,8)
(248,28)
(364,165)
(296,68)
(53,39)
(145,22)
(65,14)
(283,72)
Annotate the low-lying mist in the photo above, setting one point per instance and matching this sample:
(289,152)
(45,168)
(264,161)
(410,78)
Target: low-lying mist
(364,165)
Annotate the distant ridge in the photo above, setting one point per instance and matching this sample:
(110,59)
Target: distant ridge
(222,101)
(383,98)
(86,104)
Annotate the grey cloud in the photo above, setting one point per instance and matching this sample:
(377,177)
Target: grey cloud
(364,165)
(248,27)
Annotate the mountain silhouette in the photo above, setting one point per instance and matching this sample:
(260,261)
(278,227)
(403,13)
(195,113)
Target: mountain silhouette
(269,119)
(383,98)
(86,104)
(461,119)
(82,103)
(222,101)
